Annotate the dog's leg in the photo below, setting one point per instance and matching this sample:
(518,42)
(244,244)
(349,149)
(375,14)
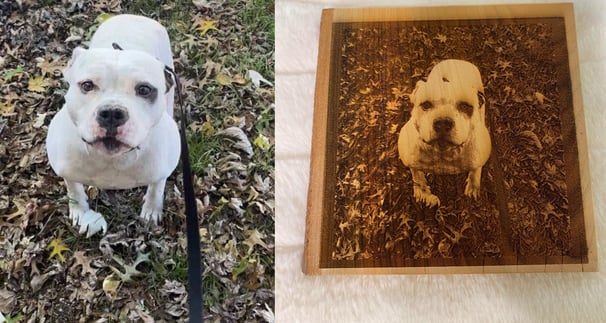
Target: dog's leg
(422,191)
(152,207)
(81,215)
(472,184)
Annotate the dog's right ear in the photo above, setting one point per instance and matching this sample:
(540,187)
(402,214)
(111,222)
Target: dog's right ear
(67,70)
(168,80)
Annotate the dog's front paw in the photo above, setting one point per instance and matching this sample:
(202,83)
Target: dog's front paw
(151,212)
(472,189)
(425,196)
(152,207)
(472,184)
(90,222)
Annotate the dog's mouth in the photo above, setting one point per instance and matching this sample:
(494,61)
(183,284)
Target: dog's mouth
(443,143)
(110,145)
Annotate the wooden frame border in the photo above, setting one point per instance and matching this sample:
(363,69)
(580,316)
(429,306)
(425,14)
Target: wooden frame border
(316,200)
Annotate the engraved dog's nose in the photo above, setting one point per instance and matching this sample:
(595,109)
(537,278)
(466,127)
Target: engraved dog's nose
(111,118)
(443,125)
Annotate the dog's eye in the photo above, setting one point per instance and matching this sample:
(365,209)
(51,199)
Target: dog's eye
(465,108)
(143,90)
(426,105)
(86,86)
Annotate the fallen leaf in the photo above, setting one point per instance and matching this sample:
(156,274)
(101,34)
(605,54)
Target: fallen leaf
(267,314)
(144,316)
(39,120)
(203,26)
(110,285)
(48,66)
(540,97)
(211,67)
(190,41)
(254,238)
(8,300)
(257,78)
(223,79)
(20,204)
(129,270)
(534,139)
(242,142)
(7,108)
(39,280)
(441,38)
(57,248)
(103,17)
(38,84)
(208,129)
(238,79)
(11,319)
(393,106)
(9,74)
(262,142)
(82,260)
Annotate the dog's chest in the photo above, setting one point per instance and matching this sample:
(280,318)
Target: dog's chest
(443,161)
(121,173)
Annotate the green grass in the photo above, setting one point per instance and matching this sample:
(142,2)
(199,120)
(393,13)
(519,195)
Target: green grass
(203,151)
(161,272)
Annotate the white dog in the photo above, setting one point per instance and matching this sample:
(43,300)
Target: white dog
(116,129)
(446,133)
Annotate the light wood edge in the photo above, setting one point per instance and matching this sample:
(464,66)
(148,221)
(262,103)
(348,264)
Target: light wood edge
(315,193)
(311,261)
(451,12)
(581,133)
(457,270)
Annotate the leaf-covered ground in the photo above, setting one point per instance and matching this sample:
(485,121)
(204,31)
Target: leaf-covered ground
(523,214)
(138,273)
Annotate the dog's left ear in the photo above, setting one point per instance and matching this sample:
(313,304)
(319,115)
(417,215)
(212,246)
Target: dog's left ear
(168,80)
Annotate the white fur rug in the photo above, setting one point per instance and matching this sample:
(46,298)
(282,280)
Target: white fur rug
(559,297)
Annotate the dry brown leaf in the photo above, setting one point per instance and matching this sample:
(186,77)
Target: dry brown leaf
(254,238)
(8,300)
(49,66)
(80,259)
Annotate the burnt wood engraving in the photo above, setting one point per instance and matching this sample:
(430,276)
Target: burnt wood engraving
(451,143)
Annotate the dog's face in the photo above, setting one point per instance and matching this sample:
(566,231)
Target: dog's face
(114,98)
(449,105)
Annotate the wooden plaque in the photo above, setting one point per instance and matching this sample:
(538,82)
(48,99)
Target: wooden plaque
(526,209)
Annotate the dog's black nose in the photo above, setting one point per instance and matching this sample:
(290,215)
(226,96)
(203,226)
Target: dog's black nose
(443,125)
(111,118)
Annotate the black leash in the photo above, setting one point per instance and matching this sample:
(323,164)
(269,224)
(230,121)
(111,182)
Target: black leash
(194,270)
(194,255)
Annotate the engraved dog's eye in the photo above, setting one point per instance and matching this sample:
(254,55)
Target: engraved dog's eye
(144,90)
(86,86)
(426,105)
(465,107)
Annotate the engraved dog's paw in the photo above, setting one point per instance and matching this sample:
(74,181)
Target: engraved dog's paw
(472,190)
(426,197)
(89,221)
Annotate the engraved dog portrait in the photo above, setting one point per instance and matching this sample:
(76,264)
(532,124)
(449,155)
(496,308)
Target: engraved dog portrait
(446,132)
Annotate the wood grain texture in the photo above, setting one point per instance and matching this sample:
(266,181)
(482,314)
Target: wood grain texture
(390,233)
